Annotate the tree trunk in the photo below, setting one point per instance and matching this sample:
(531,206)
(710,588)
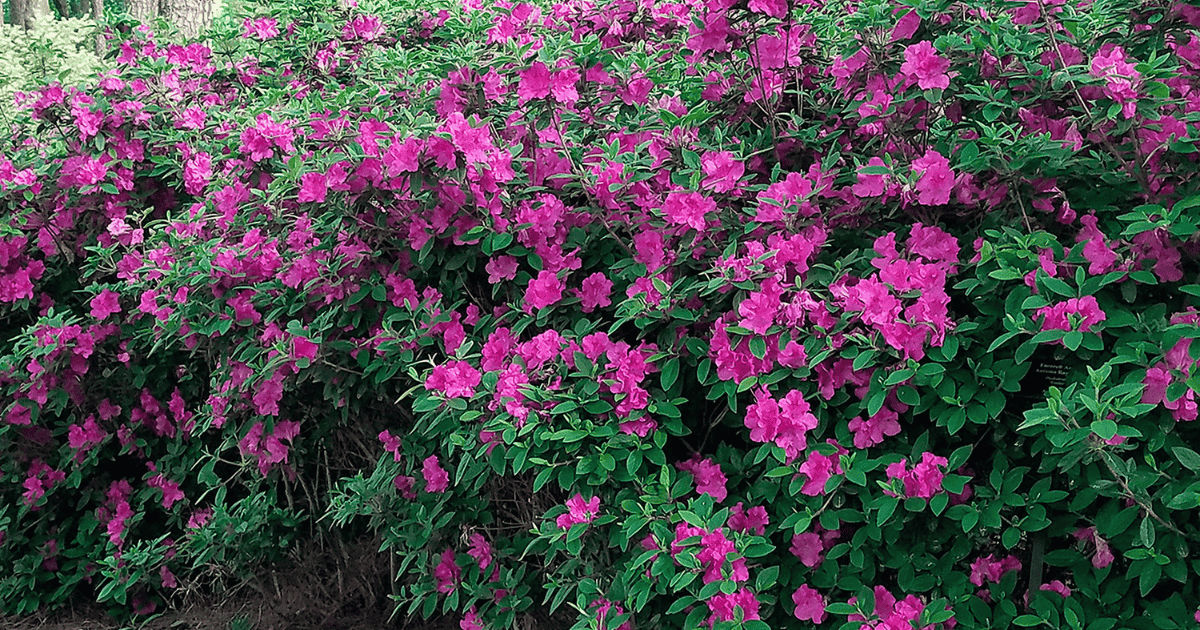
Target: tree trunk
(190,16)
(19,13)
(97,15)
(64,9)
(40,8)
(143,10)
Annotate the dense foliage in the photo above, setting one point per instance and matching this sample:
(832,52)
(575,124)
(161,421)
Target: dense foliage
(53,50)
(863,314)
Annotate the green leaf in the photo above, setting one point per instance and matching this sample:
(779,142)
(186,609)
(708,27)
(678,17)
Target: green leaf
(670,372)
(1028,621)
(1106,429)
(887,507)
(758,347)
(1001,341)
(1186,456)
(1146,532)
(954,484)
(897,377)
(1184,501)
(1058,286)
(564,407)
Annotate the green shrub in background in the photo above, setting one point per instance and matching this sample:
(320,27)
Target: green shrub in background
(53,50)
(728,314)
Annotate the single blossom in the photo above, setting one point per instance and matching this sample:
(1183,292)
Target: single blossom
(810,604)
(579,511)
(436,477)
(922,63)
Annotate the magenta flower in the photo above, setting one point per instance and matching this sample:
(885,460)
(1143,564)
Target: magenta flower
(501,268)
(365,27)
(1085,310)
(936,180)
(480,550)
(808,547)
(722,171)
(774,8)
(471,621)
(723,607)
(870,185)
(1103,556)
(543,291)
(455,379)
(447,572)
(436,477)
(988,569)
(1097,252)
(754,520)
(1121,78)
(313,187)
(810,605)
(605,608)
(921,63)
(819,468)
(688,208)
(170,490)
(579,511)
(197,171)
(85,436)
(871,431)
(105,304)
(925,478)
(595,292)
(262,28)
(535,83)
(709,478)
(1056,586)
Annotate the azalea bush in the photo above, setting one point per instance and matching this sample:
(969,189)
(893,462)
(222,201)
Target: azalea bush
(722,314)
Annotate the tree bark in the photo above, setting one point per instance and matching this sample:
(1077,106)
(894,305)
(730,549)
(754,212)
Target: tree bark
(143,10)
(190,16)
(64,9)
(97,16)
(40,8)
(18,13)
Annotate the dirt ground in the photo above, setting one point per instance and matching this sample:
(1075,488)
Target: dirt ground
(331,589)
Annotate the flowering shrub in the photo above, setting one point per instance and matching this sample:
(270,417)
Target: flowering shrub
(689,315)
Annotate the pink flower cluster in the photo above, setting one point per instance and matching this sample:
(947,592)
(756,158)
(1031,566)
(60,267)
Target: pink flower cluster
(923,66)
(924,479)
(538,81)
(1103,555)
(1121,78)
(725,607)
(437,480)
(881,300)
(707,473)
(40,478)
(810,604)
(447,573)
(1073,314)
(1176,367)
(715,548)
(605,610)
(455,379)
(819,468)
(988,569)
(269,448)
(579,511)
(752,521)
(784,422)
(809,546)
(892,614)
